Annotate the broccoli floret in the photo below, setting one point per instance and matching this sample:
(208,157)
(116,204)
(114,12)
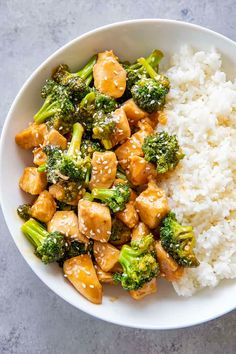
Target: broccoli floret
(163,150)
(49,246)
(138,262)
(88,147)
(24,211)
(77,83)
(105,103)
(178,241)
(120,233)
(115,198)
(67,165)
(64,206)
(103,127)
(63,125)
(57,103)
(76,248)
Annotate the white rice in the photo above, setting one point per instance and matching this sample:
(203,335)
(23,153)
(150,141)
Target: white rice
(201,111)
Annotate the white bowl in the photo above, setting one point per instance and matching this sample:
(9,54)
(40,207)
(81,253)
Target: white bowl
(129,40)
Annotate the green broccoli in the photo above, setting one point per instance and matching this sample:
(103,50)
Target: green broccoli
(69,165)
(120,233)
(88,147)
(24,211)
(76,248)
(138,262)
(103,127)
(49,246)
(178,241)
(163,150)
(57,103)
(115,198)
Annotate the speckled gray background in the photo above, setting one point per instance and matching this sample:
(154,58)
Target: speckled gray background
(32,319)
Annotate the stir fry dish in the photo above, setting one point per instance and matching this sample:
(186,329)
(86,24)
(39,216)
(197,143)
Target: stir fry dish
(98,210)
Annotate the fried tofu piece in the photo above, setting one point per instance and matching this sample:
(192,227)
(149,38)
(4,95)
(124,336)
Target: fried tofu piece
(65,222)
(104,166)
(129,215)
(140,170)
(32,181)
(94,220)
(44,207)
(58,192)
(104,277)
(39,156)
(139,230)
(133,112)
(109,75)
(133,146)
(32,136)
(53,137)
(147,289)
(168,266)
(152,205)
(105,255)
(122,129)
(81,273)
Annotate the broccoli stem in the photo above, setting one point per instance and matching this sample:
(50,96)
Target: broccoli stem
(47,110)
(88,99)
(154,58)
(102,193)
(75,143)
(88,196)
(34,231)
(42,168)
(152,73)
(107,144)
(87,70)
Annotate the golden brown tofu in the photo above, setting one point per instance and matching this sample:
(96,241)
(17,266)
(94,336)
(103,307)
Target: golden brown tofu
(94,220)
(129,215)
(32,136)
(168,266)
(32,181)
(67,195)
(104,166)
(53,137)
(109,76)
(39,156)
(105,255)
(147,289)
(44,207)
(122,129)
(139,230)
(103,277)
(133,146)
(140,170)
(133,112)
(81,273)
(65,222)
(152,205)
(162,118)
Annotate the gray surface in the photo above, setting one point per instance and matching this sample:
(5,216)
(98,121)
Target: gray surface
(32,318)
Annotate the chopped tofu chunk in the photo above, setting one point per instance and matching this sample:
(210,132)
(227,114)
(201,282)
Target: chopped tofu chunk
(104,165)
(44,207)
(103,277)
(65,195)
(94,220)
(39,156)
(65,222)
(152,205)
(32,181)
(140,230)
(55,138)
(140,170)
(105,255)
(109,75)
(168,267)
(122,129)
(133,112)
(129,215)
(133,146)
(147,289)
(32,136)
(81,273)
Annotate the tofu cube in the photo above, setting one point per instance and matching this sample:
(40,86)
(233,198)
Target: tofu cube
(140,170)
(133,112)
(39,156)
(32,181)
(44,207)
(139,230)
(105,255)
(147,289)
(94,220)
(55,138)
(65,222)
(168,266)
(104,166)
(122,129)
(152,205)
(129,215)
(32,136)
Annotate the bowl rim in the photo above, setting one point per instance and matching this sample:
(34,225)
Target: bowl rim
(3,135)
